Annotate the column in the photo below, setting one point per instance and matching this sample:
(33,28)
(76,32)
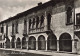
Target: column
(21,44)
(15,44)
(46,45)
(36,45)
(10,44)
(27,45)
(74,46)
(57,45)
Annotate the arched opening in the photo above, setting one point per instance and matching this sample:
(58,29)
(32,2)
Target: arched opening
(7,43)
(37,22)
(24,43)
(41,43)
(42,21)
(52,42)
(32,43)
(34,23)
(48,21)
(18,43)
(1,45)
(29,24)
(13,42)
(65,42)
(69,15)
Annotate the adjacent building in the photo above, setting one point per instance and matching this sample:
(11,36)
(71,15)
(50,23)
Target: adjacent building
(54,25)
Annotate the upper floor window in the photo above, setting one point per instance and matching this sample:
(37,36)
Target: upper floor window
(2,29)
(33,22)
(42,20)
(6,30)
(48,21)
(12,28)
(37,22)
(29,23)
(78,19)
(69,15)
(16,26)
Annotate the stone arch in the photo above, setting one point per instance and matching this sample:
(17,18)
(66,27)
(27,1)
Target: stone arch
(1,45)
(7,42)
(24,43)
(18,43)
(32,43)
(13,42)
(65,42)
(41,43)
(52,42)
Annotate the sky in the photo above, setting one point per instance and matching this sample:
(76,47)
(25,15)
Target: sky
(9,8)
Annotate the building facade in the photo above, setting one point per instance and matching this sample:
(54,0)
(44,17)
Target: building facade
(53,26)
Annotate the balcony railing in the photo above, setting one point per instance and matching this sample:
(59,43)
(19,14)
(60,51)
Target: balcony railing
(77,27)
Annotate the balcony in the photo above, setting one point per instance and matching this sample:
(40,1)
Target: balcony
(77,29)
(25,33)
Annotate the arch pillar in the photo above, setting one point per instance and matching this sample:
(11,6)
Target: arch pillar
(74,46)
(36,45)
(46,45)
(15,44)
(21,44)
(57,45)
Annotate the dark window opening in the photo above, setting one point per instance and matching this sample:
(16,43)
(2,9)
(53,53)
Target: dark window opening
(33,22)
(69,15)
(42,20)
(16,26)
(48,21)
(29,24)
(25,26)
(6,30)
(2,29)
(12,28)
(37,22)
(78,19)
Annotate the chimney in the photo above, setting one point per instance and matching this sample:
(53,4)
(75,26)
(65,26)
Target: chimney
(40,3)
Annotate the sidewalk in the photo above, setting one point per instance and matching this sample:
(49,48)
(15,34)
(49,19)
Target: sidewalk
(51,53)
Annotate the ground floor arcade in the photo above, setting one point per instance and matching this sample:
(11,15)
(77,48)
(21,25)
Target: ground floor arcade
(65,43)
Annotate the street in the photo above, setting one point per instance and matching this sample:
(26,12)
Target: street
(16,53)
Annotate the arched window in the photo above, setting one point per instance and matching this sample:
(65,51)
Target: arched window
(48,21)
(16,26)
(69,15)
(37,22)
(29,24)
(33,22)
(42,20)
(12,28)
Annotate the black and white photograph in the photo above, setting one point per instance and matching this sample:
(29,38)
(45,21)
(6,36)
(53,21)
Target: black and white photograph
(39,27)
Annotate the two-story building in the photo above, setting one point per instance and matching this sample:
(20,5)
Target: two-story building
(53,26)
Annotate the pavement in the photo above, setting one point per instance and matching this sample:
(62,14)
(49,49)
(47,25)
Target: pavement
(25,52)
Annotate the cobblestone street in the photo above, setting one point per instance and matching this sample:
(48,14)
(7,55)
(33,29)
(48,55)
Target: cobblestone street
(32,53)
